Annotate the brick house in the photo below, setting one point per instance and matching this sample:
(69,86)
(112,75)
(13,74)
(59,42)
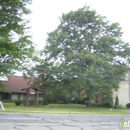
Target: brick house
(15,89)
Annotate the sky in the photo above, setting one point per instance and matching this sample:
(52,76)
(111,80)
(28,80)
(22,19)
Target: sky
(45,15)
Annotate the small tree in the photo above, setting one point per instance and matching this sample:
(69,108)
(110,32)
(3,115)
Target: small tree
(116,100)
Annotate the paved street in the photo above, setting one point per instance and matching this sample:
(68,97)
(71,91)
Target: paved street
(59,122)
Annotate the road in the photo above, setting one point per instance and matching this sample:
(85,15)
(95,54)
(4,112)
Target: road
(59,122)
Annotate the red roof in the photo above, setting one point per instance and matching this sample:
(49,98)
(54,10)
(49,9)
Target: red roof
(16,83)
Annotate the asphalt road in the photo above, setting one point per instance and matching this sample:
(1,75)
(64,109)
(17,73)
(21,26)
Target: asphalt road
(59,122)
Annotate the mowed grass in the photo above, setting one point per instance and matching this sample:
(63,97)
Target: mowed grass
(61,109)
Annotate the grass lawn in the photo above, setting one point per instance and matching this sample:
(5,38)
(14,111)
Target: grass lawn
(61,109)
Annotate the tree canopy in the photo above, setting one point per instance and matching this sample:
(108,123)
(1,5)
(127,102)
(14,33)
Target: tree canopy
(86,53)
(16,47)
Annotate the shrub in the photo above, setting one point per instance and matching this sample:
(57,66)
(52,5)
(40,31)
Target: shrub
(88,103)
(116,101)
(119,107)
(46,103)
(18,103)
(64,102)
(96,105)
(107,105)
(107,99)
(128,105)
(79,100)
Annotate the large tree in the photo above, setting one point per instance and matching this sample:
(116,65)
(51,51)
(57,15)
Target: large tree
(89,53)
(16,47)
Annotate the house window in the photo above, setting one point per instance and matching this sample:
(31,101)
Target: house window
(14,97)
(32,97)
(5,96)
(22,96)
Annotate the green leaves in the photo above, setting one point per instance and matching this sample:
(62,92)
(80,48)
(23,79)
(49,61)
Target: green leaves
(16,47)
(90,51)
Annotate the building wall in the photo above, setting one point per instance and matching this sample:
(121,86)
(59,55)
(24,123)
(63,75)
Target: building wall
(123,92)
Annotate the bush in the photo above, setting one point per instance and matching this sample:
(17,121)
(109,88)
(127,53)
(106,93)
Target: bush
(79,100)
(128,105)
(88,103)
(107,100)
(119,107)
(64,102)
(96,105)
(107,105)
(18,103)
(116,101)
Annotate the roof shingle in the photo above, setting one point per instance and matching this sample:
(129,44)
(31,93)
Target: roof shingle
(16,83)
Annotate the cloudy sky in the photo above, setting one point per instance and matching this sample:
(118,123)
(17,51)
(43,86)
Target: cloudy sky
(45,15)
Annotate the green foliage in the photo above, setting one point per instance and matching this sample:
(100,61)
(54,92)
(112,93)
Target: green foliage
(1,87)
(16,47)
(96,105)
(128,105)
(107,100)
(107,105)
(18,103)
(46,102)
(65,101)
(88,103)
(119,107)
(85,54)
(80,100)
(116,101)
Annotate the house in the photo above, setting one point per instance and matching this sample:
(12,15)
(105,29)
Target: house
(16,88)
(123,92)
